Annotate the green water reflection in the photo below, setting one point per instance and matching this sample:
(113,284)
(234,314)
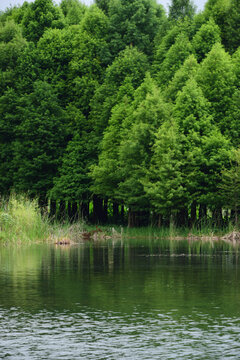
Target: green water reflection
(143,276)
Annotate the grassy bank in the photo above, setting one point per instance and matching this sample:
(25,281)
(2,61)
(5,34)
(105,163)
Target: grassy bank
(22,221)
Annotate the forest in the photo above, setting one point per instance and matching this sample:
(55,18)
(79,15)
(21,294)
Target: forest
(122,112)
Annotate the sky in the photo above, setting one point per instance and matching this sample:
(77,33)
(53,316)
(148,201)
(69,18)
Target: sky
(7,3)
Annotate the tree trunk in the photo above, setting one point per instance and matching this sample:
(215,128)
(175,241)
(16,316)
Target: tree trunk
(104,218)
(61,213)
(193,213)
(182,217)
(217,217)
(122,214)
(53,209)
(131,218)
(160,218)
(72,211)
(202,214)
(115,212)
(97,209)
(84,209)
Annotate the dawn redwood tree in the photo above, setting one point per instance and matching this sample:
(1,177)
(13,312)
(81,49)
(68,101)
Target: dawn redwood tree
(105,173)
(39,16)
(12,45)
(179,9)
(165,181)
(55,51)
(232,37)
(230,184)
(205,149)
(73,10)
(72,185)
(173,60)
(187,71)
(8,124)
(218,10)
(216,78)
(133,23)
(39,141)
(130,64)
(205,38)
(135,150)
(90,58)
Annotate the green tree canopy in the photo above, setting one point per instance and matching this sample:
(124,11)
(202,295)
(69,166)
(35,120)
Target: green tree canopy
(179,9)
(217,80)
(39,16)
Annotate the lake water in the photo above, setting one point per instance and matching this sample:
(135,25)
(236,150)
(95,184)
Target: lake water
(132,299)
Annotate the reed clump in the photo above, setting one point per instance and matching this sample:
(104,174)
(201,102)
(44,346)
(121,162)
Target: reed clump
(21,220)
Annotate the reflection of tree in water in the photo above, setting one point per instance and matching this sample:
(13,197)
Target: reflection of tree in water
(149,275)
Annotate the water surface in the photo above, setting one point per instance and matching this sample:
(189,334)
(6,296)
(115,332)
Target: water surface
(131,299)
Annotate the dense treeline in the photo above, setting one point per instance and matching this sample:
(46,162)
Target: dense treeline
(122,110)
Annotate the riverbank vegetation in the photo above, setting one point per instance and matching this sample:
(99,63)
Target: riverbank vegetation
(121,112)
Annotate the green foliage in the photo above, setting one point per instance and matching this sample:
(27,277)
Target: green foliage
(129,64)
(73,182)
(133,22)
(205,149)
(81,116)
(39,16)
(205,38)
(179,9)
(12,45)
(230,184)
(217,80)
(105,173)
(165,182)
(73,10)
(174,58)
(39,140)
(21,220)
(232,37)
(185,72)
(135,150)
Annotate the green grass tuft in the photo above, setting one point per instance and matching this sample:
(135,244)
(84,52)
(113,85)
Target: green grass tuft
(21,220)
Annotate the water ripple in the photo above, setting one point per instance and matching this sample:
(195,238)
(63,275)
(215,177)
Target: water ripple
(96,335)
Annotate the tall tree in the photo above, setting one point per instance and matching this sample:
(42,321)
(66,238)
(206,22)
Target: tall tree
(187,71)
(105,173)
(135,150)
(73,10)
(205,149)
(133,22)
(165,182)
(130,64)
(230,184)
(39,16)
(174,58)
(179,9)
(232,37)
(217,80)
(39,141)
(205,38)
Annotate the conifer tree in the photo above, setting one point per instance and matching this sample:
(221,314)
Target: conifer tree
(217,80)
(187,71)
(230,184)
(179,9)
(205,38)
(39,141)
(165,182)
(135,150)
(39,16)
(174,58)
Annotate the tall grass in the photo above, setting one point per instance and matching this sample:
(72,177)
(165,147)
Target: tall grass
(21,220)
